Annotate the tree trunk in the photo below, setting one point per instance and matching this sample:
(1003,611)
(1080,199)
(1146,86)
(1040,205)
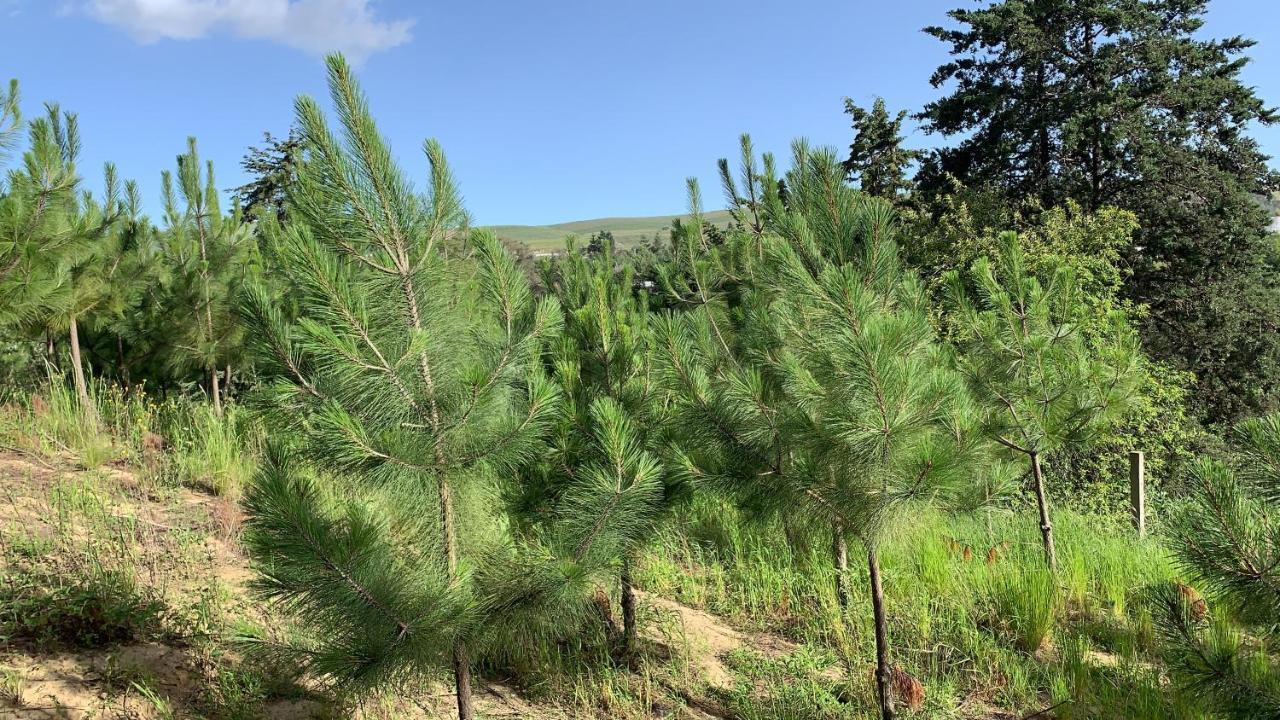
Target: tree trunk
(628,611)
(215,392)
(461,660)
(1042,503)
(51,349)
(121,366)
(77,370)
(884,673)
(462,681)
(226,385)
(840,555)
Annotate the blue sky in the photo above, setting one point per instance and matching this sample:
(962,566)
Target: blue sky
(549,111)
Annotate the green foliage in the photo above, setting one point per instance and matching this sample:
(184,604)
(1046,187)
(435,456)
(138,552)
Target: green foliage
(762,578)
(212,453)
(98,609)
(1227,538)
(1090,245)
(604,485)
(1111,103)
(1024,603)
(414,382)
(877,161)
(273,169)
(1044,383)
(37,220)
(211,257)
(805,375)
(10,119)
(1026,353)
(54,422)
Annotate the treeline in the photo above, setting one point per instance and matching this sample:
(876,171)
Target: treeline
(92,286)
(462,455)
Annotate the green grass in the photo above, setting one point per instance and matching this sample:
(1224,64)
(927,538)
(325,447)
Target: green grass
(178,441)
(1024,603)
(212,453)
(973,613)
(968,629)
(52,423)
(627,231)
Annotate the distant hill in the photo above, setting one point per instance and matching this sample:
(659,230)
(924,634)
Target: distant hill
(627,231)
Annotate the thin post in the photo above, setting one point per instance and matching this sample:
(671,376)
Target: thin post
(1138,491)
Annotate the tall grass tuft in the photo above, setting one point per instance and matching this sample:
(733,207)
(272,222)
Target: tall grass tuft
(210,452)
(1024,604)
(52,423)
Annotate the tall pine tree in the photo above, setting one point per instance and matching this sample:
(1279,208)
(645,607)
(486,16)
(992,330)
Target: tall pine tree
(413,377)
(810,384)
(877,161)
(609,440)
(37,222)
(209,251)
(1109,102)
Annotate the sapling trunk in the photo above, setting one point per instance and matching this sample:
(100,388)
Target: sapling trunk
(462,681)
(884,673)
(77,370)
(461,659)
(121,366)
(629,631)
(215,392)
(840,557)
(1042,504)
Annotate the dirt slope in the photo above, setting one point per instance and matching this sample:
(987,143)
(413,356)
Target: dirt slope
(180,546)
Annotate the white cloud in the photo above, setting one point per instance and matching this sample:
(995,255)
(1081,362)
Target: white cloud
(313,26)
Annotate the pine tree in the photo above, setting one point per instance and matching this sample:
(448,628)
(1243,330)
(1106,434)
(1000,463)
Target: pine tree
(88,274)
(609,440)
(1024,354)
(273,168)
(1227,538)
(877,161)
(1117,103)
(816,386)
(413,376)
(878,414)
(37,221)
(134,268)
(209,251)
(10,121)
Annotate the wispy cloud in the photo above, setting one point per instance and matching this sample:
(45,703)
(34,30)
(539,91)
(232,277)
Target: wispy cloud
(313,26)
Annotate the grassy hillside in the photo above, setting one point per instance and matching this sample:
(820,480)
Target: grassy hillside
(626,230)
(124,595)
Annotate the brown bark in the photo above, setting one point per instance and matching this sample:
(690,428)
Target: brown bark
(1042,504)
(121,366)
(462,681)
(884,671)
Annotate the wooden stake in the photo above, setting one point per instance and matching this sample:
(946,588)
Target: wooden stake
(1138,491)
